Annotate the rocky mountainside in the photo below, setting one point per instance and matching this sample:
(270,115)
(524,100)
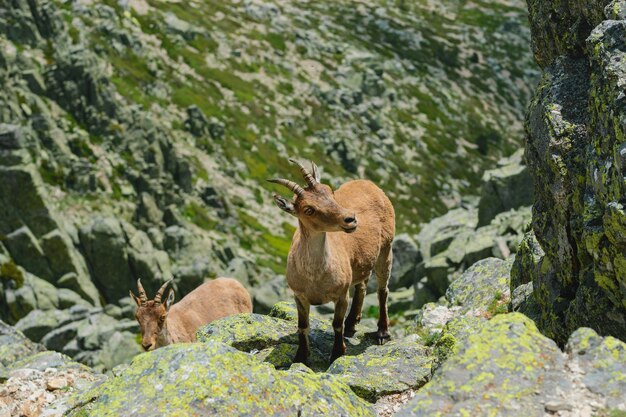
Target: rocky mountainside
(483,324)
(136,137)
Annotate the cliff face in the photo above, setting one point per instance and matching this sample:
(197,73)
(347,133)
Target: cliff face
(576,152)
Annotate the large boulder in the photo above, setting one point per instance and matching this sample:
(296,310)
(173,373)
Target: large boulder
(506,367)
(509,186)
(406,257)
(576,155)
(214,379)
(274,337)
(482,288)
(118,254)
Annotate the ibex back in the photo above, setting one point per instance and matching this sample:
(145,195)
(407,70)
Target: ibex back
(342,236)
(165,323)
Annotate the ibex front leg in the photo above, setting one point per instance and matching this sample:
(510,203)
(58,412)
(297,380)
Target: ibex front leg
(341,307)
(303,330)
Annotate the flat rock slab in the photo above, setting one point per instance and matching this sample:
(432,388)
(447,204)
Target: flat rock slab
(394,367)
(274,337)
(213,379)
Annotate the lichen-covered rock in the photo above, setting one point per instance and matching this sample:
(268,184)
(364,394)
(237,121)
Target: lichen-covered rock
(560,27)
(602,361)
(482,287)
(214,379)
(274,337)
(397,366)
(497,371)
(14,346)
(575,153)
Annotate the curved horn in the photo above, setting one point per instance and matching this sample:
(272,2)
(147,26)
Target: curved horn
(157,299)
(289,184)
(142,293)
(305,173)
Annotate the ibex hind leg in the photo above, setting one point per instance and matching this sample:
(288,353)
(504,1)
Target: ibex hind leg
(383,272)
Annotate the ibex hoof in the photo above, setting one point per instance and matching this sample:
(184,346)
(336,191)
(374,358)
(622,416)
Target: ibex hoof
(382,337)
(301,358)
(349,332)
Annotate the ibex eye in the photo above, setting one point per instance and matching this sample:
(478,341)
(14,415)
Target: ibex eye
(309,211)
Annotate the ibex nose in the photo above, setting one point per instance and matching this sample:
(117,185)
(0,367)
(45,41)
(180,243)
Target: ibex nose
(146,346)
(350,219)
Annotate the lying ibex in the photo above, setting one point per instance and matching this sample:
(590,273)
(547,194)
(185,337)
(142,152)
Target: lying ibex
(162,324)
(322,266)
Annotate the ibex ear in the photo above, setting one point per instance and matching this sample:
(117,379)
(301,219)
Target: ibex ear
(170,299)
(284,204)
(316,172)
(134,297)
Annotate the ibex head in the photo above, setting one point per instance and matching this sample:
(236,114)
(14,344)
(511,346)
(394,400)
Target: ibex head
(315,206)
(151,314)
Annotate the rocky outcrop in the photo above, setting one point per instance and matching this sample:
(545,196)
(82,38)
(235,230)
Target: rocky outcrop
(214,379)
(506,367)
(35,381)
(575,153)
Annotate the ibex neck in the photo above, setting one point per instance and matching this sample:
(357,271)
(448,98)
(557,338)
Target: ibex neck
(314,245)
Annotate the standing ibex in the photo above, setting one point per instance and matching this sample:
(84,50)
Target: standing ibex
(322,266)
(162,324)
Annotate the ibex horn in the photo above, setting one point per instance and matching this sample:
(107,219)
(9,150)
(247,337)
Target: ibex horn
(289,184)
(142,293)
(157,298)
(305,173)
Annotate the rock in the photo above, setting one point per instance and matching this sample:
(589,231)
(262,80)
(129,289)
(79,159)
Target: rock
(37,323)
(14,346)
(437,235)
(406,257)
(505,366)
(57,383)
(574,154)
(68,266)
(195,372)
(566,35)
(118,255)
(275,339)
(602,361)
(25,250)
(505,188)
(433,317)
(436,271)
(397,366)
(27,197)
(268,293)
(483,287)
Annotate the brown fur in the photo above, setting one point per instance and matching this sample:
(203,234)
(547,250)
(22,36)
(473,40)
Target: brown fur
(163,323)
(328,256)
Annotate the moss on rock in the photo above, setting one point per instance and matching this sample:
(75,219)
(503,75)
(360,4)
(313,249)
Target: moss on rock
(214,379)
(497,370)
(381,370)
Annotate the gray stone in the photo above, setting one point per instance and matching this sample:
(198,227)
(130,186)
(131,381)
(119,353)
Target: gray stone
(504,188)
(483,287)
(196,371)
(395,367)
(27,252)
(406,257)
